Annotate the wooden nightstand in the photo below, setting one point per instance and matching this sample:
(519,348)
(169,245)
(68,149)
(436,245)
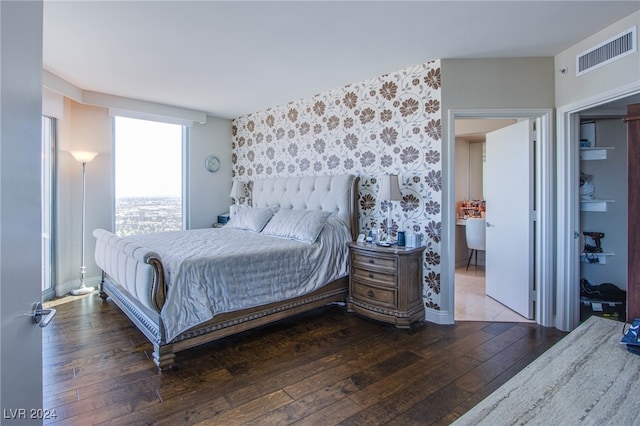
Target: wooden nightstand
(386,283)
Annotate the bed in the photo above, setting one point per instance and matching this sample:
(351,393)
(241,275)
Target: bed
(284,255)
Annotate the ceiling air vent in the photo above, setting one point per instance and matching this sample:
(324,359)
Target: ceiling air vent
(613,49)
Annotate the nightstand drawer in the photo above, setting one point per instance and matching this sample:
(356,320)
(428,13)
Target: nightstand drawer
(374,277)
(382,297)
(366,261)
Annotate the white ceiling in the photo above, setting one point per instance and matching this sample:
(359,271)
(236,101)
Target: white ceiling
(232,58)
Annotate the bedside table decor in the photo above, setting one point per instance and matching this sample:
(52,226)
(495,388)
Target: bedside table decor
(401,239)
(389,191)
(413,240)
(385,283)
(238,193)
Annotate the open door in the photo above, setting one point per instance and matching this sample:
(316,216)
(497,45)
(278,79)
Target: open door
(20,230)
(509,193)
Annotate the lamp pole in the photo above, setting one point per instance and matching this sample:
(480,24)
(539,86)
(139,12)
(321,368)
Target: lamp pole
(84,158)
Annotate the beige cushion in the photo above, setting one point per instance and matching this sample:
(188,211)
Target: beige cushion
(251,219)
(301,225)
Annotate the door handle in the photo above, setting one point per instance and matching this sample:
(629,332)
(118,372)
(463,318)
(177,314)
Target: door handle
(38,313)
(489,225)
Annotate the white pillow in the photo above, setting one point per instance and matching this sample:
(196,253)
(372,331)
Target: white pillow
(251,219)
(301,225)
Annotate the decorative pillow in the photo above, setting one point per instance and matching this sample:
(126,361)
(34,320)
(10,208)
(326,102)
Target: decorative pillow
(251,219)
(301,225)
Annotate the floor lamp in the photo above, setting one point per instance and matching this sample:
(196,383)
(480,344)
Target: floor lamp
(83,157)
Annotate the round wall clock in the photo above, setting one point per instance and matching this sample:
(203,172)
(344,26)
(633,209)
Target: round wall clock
(212,163)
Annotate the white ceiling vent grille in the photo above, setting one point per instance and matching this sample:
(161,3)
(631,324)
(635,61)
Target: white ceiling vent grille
(611,50)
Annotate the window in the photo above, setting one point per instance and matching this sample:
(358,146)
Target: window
(47,203)
(148,176)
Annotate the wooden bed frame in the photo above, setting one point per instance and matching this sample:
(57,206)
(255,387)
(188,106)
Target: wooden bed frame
(145,273)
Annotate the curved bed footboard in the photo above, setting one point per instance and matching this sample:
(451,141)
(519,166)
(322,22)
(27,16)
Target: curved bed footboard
(133,277)
(136,269)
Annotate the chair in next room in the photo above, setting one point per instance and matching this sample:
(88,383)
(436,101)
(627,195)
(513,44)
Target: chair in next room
(476,235)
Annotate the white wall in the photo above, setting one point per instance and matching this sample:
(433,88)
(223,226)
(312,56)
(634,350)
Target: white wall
(462,193)
(620,73)
(497,83)
(462,169)
(476,170)
(469,186)
(209,191)
(615,80)
(83,128)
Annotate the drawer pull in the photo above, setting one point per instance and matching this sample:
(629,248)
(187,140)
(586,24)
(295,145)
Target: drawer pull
(370,275)
(370,293)
(372,261)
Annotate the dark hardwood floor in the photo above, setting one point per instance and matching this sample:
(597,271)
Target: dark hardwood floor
(325,367)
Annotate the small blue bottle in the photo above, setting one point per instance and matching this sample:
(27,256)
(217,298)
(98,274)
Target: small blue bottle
(401,240)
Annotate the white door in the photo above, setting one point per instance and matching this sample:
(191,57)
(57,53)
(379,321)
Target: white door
(509,195)
(20,227)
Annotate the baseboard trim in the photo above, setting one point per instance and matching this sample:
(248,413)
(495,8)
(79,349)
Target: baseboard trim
(438,317)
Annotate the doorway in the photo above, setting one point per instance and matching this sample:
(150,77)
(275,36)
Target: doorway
(498,293)
(569,221)
(543,272)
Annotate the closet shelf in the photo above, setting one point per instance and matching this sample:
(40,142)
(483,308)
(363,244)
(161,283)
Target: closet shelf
(594,205)
(601,257)
(594,153)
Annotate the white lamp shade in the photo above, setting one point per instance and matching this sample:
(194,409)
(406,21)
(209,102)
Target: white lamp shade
(237,190)
(83,156)
(389,188)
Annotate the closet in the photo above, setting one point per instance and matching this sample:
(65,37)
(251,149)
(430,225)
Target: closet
(603,213)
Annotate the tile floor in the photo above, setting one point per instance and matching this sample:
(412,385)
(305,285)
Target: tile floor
(472,304)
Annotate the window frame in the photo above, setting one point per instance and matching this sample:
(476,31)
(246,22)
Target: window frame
(49,262)
(184,164)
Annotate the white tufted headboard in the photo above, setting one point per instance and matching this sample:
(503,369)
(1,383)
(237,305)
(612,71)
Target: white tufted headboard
(336,194)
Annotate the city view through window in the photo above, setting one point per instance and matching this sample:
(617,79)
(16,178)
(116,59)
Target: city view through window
(148,174)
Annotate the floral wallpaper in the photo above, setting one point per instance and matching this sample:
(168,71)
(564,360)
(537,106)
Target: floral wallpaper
(386,125)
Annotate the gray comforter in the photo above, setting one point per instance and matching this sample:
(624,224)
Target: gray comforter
(218,270)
